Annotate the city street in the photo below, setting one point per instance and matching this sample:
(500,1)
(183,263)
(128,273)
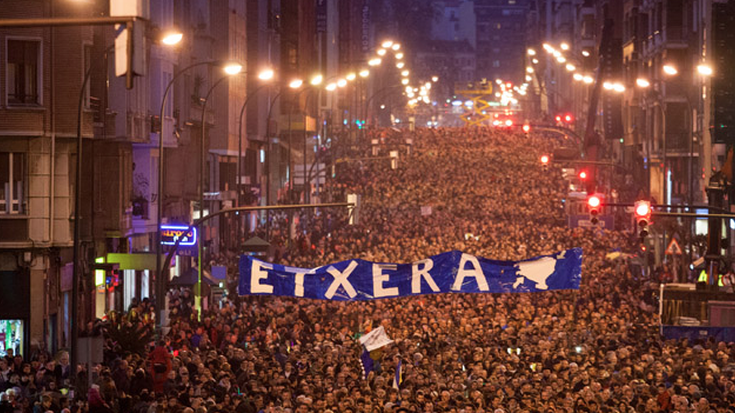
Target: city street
(367,206)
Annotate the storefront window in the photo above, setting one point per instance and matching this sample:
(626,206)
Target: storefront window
(11,337)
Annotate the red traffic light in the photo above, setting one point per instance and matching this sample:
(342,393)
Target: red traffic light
(594,202)
(526,128)
(568,118)
(558,118)
(508,123)
(642,210)
(544,159)
(583,175)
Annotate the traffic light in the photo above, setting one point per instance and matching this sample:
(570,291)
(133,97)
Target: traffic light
(594,204)
(583,175)
(526,128)
(568,118)
(643,217)
(545,162)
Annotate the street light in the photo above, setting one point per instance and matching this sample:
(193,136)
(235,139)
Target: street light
(364,73)
(230,70)
(161,281)
(316,80)
(704,70)
(531,52)
(172,38)
(374,62)
(296,83)
(265,75)
(643,83)
(670,70)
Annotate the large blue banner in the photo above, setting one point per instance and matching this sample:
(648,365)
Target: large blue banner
(449,272)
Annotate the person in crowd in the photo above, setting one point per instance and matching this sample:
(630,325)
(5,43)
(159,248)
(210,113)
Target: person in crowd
(477,190)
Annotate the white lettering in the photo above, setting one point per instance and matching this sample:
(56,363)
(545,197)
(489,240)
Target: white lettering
(417,273)
(379,280)
(257,274)
(340,278)
(475,272)
(298,279)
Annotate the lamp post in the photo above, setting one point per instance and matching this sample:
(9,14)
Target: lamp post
(704,71)
(161,281)
(230,70)
(169,38)
(265,75)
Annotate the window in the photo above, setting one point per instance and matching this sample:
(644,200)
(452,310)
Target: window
(12,167)
(23,74)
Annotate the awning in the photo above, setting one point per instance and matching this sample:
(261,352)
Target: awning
(139,261)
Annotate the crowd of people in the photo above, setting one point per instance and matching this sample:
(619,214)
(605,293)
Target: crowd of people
(481,191)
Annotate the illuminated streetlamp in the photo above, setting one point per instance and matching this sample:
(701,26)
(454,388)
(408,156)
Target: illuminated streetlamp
(641,82)
(172,38)
(316,80)
(232,69)
(266,74)
(296,83)
(704,70)
(670,70)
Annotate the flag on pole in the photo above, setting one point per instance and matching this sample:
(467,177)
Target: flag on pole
(367,363)
(398,379)
(375,339)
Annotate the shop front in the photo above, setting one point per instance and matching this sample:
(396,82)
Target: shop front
(14,312)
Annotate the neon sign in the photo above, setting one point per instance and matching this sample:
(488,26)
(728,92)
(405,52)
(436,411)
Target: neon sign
(171,233)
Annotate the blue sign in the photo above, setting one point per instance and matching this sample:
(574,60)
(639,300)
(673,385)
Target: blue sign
(449,272)
(171,233)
